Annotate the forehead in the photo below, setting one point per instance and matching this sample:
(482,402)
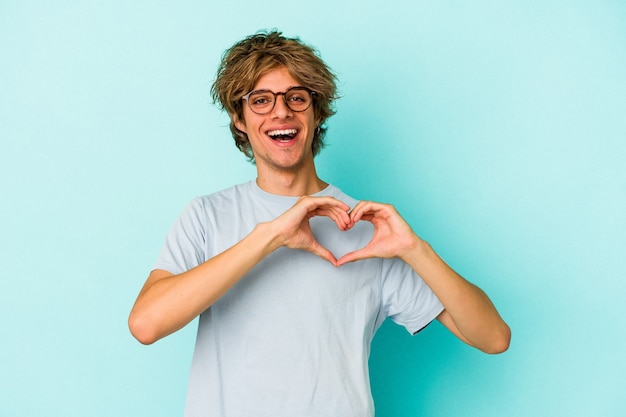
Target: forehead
(277,79)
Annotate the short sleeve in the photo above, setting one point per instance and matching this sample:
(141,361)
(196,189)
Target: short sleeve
(184,244)
(406,298)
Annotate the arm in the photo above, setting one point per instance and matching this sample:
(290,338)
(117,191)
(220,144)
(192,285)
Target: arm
(168,302)
(469,313)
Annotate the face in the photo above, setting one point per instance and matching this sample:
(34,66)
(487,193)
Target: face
(281,139)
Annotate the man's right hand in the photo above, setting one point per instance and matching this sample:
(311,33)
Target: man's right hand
(293,230)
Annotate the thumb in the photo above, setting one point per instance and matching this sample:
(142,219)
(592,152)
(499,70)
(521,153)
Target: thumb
(322,252)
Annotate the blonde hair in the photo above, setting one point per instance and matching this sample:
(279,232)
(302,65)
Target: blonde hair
(249,59)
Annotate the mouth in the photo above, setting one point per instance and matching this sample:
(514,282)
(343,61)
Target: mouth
(282,135)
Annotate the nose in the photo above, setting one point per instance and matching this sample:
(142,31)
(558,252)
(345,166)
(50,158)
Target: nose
(281,110)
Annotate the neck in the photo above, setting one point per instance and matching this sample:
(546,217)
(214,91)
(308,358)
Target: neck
(288,183)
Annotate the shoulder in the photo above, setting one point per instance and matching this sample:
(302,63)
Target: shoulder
(202,209)
(230,195)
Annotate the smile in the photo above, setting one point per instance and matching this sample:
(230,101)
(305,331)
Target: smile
(282,135)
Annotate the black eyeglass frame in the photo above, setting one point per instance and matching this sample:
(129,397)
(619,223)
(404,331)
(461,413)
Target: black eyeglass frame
(312,94)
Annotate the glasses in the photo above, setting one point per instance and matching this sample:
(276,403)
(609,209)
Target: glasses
(298,99)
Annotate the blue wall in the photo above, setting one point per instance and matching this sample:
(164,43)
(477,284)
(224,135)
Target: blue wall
(497,128)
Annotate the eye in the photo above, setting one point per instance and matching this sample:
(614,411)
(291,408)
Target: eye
(297,96)
(261,99)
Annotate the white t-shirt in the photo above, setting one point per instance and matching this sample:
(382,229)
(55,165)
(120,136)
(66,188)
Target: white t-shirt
(292,338)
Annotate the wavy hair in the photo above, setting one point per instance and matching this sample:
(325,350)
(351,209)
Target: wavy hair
(246,61)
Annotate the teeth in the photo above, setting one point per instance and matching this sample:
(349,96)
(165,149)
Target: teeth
(284,132)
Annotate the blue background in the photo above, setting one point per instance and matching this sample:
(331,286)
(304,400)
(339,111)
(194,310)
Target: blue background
(497,129)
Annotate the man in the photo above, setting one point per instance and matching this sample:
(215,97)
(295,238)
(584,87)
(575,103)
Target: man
(291,277)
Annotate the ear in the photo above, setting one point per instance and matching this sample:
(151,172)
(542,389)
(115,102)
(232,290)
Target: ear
(238,123)
(318,126)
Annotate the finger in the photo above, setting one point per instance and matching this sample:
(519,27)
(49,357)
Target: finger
(361,209)
(354,256)
(327,206)
(370,210)
(339,216)
(315,202)
(306,207)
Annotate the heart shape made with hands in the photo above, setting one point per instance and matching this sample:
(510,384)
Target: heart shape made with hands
(335,252)
(392,235)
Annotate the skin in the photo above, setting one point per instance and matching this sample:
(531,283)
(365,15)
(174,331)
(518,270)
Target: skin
(168,302)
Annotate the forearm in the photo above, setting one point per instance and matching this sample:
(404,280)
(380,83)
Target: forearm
(472,312)
(166,304)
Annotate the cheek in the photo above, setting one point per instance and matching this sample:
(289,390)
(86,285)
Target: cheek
(309,120)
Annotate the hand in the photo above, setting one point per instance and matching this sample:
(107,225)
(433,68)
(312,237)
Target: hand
(293,226)
(393,237)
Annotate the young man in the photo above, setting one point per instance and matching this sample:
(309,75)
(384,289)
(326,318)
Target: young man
(291,277)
